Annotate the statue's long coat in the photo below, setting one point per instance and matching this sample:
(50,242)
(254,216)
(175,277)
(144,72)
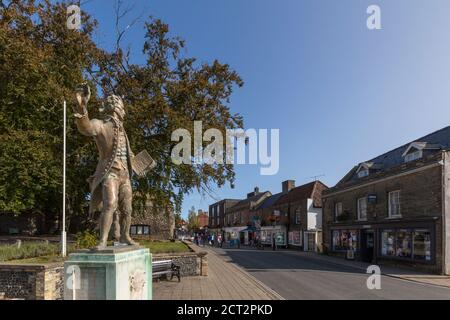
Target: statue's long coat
(106,135)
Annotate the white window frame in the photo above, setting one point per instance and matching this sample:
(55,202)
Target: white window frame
(360,209)
(363,173)
(398,204)
(413,156)
(298,216)
(336,205)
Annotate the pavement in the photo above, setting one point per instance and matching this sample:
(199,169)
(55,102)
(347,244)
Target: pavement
(303,275)
(402,273)
(225,281)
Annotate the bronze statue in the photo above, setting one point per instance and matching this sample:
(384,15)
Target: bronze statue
(111,183)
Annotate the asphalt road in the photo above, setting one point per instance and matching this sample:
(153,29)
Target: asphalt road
(295,276)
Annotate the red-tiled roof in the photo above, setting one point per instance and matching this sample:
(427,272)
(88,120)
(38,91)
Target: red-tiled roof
(312,190)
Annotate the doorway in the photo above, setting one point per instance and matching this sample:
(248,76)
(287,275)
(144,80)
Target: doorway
(367,245)
(310,241)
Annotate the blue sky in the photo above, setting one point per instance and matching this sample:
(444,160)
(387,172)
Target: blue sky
(339,93)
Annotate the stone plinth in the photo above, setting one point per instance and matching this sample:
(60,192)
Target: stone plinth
(115,273)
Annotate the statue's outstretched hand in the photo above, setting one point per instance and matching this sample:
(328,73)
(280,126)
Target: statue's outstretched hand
(83,94)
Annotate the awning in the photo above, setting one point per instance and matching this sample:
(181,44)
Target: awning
(250,229)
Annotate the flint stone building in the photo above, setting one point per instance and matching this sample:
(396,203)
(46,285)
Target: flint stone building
(395,208)
(153,223)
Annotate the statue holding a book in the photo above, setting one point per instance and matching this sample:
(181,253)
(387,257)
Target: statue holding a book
(110,185)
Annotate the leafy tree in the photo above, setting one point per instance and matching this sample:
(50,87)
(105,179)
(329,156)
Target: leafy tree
(193,223)
(42,62)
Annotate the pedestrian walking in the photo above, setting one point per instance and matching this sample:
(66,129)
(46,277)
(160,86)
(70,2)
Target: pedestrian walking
(219,240)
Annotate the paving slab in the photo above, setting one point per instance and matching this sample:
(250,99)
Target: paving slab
(225,281)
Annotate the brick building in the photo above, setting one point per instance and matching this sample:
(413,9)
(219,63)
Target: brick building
(395,208)
(203,219)
(217,213)
(301,208)
(293,216)
(239,219)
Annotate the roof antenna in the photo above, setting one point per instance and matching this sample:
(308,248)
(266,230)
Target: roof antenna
(316,177)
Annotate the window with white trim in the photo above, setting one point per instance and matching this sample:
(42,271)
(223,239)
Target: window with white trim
(394,204)
(297,215)
(413,156)
(337,210)
(362,208)
(363,173)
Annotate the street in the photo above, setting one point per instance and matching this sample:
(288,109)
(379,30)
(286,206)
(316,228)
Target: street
(296,276)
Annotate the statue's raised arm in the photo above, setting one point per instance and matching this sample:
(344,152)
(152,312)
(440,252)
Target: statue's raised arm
(84,124)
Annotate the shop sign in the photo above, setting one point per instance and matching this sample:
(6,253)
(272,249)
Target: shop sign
(372,198)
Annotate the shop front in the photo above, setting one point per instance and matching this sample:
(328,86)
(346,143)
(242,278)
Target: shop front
(295,239)
(233,234)
(278,232)
(248,235)
(409,243)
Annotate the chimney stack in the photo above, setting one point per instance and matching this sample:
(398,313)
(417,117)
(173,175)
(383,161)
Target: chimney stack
(254,193)
(287,185)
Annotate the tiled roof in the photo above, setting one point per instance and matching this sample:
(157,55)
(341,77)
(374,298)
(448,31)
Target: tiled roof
(246,202)
(305,191)
(270,201)
(225,201)
(438,140)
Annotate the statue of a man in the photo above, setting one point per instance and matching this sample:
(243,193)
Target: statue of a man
(111,183)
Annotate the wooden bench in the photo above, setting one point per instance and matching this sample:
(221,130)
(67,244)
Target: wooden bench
(165,267)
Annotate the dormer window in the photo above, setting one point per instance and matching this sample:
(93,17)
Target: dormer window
(365,168)
(414,155)
(416,150)
(363,173)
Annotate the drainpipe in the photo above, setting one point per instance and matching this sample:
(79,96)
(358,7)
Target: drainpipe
(444,200)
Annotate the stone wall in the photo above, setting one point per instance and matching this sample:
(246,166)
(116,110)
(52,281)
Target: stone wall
(32,282)
(46,282)
(189,262)
(192,263)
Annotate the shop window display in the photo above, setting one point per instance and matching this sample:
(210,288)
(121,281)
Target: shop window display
(412,244)
(404,244)
(345,240)
(387,241)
